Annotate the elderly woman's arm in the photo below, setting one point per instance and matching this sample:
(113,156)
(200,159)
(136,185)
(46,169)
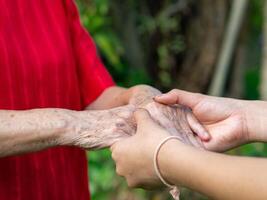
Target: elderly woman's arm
(118,96)
(173,118)
(37,129)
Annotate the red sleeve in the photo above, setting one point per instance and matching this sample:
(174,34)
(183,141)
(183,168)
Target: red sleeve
(92,74)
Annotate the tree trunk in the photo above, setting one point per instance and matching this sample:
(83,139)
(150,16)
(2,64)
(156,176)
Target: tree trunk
(203,32)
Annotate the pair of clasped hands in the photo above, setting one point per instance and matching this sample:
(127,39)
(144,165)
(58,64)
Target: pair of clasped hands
(207,123)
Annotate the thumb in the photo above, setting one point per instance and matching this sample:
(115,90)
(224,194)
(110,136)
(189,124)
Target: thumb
(142,117)
(176,96)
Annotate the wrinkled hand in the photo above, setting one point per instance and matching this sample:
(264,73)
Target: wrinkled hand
(101,130)
(224,118)
(177,120)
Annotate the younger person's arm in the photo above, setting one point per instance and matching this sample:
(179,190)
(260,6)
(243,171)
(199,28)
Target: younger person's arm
(218,176)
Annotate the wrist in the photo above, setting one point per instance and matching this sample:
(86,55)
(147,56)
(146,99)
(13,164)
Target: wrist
(141,95)
(97,129)
(166,163)
(127,95)
(256,119)
(69,129)
(178,161)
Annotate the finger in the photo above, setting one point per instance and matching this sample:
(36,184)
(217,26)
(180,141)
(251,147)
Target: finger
(142,117)
(119,171)
(180,97)
(131,182)
(197,127)
(113,147)
(195,141)
(117,146)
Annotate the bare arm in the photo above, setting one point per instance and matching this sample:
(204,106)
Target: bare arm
(218,176)
(110,98)
(115,96)
(34,130)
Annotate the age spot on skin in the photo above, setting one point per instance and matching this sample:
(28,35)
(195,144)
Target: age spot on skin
(120,125)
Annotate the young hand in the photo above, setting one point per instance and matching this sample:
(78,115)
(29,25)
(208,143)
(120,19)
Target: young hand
(224,118)
(134,155)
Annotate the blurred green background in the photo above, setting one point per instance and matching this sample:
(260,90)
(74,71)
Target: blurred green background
(170,44)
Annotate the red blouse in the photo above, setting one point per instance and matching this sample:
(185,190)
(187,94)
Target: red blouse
(47,59)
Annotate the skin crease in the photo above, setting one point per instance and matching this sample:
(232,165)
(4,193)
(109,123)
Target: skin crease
(99,126)
(215,175)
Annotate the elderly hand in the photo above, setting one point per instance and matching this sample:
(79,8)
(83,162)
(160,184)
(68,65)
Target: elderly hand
(100,129)
(178,120)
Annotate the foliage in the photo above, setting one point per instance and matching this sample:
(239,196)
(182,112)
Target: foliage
(96,18)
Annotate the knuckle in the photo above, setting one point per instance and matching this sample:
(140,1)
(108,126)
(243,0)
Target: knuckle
(113,155)
(131,183)
(114,128)
(113,147)
(174,91)
(199,95)
(119,171)
(120,124)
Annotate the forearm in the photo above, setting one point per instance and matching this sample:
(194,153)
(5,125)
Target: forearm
(32,130)
(141,95)
(117,96)
(111,97)
(256,119)
(215,175)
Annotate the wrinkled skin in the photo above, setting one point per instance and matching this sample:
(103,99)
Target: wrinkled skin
(100,129)
(37,129)
(108,126)
(177,120)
